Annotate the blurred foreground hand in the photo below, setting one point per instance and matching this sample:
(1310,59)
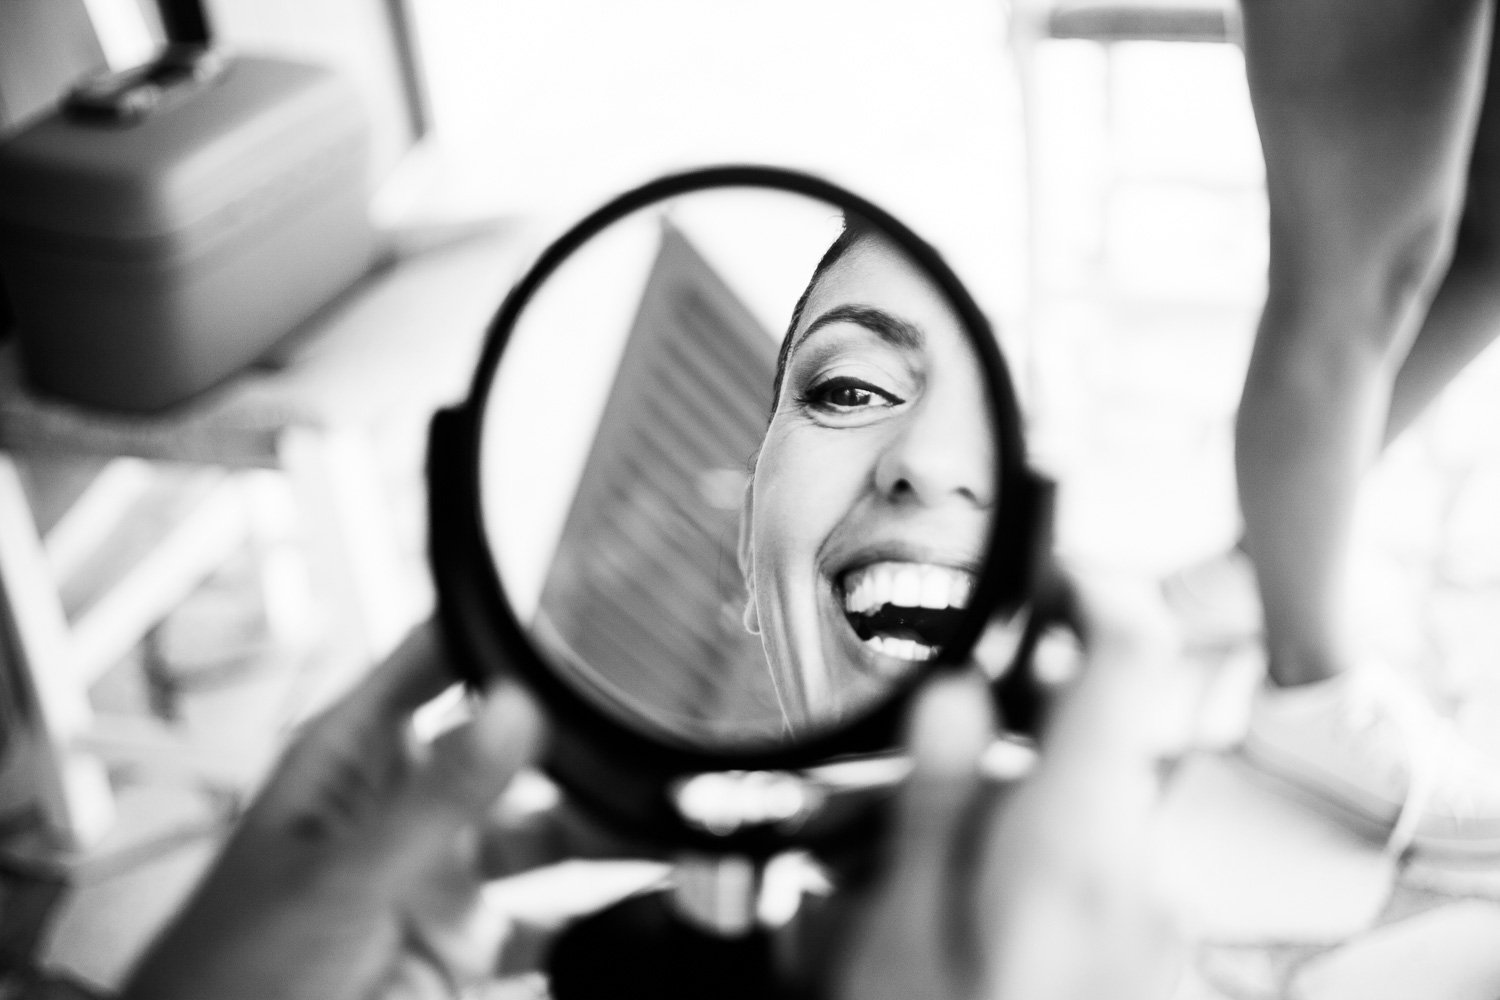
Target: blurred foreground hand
(356,871)
(1041,890)
(360,869)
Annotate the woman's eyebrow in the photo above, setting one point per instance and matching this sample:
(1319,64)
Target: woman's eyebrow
(892,329)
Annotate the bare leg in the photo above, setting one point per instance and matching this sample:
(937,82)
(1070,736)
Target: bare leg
(1465,315)
(1366,110)
(1216,598)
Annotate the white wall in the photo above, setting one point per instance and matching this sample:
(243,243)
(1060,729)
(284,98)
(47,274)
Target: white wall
(553,105)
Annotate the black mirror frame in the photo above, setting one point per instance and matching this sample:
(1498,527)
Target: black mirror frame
(623,774)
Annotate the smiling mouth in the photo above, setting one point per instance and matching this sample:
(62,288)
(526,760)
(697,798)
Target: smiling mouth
(904,610)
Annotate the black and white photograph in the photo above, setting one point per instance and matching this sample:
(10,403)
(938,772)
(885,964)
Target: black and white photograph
(822,499)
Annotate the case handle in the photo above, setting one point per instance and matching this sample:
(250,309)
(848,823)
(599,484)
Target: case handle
(128,96)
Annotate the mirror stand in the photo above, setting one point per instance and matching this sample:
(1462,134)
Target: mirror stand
(706,935)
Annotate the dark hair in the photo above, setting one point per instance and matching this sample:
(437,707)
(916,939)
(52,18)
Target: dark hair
(855,229)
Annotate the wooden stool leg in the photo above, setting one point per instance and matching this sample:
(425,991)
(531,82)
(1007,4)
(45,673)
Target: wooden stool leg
(281,566)
(72,788)
(202,525)
(371,597)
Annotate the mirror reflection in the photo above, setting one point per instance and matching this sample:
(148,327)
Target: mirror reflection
(738,466)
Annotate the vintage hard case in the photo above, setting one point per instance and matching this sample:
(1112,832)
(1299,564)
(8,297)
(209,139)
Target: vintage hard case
(151,255)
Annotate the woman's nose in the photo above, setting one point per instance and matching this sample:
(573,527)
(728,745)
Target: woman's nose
(942,450)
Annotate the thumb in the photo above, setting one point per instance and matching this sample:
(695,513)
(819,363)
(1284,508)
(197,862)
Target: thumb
(951,725)
(908,924)
(464,771)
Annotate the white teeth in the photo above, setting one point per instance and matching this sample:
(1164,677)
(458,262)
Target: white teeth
(861,598)
(935,588)
(901,649)
(911,585)
(908,589)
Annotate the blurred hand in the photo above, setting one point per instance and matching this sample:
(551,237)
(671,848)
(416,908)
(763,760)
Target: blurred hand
(359,869)
(1041,890)
(356,872)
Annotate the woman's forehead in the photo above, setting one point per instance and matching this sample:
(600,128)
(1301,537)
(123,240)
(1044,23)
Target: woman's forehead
(859,271)
(878,274)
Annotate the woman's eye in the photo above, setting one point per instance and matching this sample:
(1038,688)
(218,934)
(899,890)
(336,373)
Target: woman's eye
(843,395)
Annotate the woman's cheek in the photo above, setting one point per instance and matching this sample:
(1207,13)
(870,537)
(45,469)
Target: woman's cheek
(806,483)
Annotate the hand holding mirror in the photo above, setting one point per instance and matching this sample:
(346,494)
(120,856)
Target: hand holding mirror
(741,464)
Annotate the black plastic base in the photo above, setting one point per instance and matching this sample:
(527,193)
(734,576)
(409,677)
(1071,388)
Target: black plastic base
(641,948)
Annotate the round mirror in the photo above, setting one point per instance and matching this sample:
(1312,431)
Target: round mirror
(740,464)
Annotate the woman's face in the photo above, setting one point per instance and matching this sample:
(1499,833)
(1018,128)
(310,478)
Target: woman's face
(873,490)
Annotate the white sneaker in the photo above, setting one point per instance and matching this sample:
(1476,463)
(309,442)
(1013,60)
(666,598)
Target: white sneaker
(1376,753)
